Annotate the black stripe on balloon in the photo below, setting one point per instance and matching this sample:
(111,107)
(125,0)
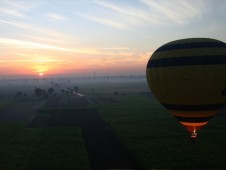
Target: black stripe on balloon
(190,46)
(187,61)
(193,119)
(207,107)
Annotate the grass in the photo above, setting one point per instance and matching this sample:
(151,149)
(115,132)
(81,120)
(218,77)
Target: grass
(41,148)
(157,139)
(60,148)
(4,104)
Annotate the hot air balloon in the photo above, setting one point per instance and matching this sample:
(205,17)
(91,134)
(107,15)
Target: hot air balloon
(188,77)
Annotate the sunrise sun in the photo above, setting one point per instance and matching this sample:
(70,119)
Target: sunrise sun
(40,74)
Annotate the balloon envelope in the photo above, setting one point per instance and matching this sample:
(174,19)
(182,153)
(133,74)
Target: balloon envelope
(188,77)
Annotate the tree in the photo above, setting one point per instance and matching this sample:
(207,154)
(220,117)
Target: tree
(50,91)
(38,92)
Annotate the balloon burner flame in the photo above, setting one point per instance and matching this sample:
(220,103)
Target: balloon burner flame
(194,135)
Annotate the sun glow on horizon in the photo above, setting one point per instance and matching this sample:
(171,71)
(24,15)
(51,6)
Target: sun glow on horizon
(43,64)
(38,37)
(41,74)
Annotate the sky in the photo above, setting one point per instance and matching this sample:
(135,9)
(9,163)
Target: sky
(105,37)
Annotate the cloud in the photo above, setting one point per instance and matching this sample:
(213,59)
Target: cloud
(8,43)
(22,5)
(12,12)
(110,15)
(143,57)
(104,21)
(55,17)
(103,51)
(176,11)
(49,40)
(112,48)
(147,13)
(132,15)
(15,43)
(127,16)
(17,8)
(36,29)
(128,59)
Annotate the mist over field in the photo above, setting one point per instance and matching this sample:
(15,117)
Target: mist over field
(9,87)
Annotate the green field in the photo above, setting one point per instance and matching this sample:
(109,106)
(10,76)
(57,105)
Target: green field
(150,133)
(41,148)
(4,104)
(157,139)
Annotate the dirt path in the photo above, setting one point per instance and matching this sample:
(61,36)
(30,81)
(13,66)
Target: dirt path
(104,149)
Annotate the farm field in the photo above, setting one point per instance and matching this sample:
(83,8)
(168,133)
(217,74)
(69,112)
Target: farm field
(56,134)
(41,148)
(159,141)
